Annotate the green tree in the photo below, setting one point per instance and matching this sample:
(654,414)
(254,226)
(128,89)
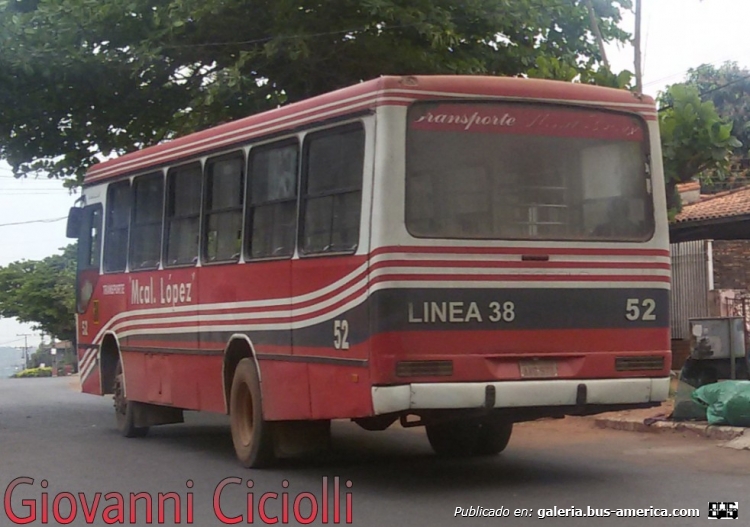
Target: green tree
(696,141)
(728,87)
(82,79)
(42,292)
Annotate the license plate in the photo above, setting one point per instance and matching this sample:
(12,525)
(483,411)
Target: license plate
(538,369)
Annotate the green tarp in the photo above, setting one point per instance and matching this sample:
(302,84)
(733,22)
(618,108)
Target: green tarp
(727,402)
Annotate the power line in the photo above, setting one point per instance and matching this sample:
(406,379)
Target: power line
(287,37)
(30,192)
(32,180)
(35,180)
(713,90)
(717,88)
(684,71)
(375,26)
(48,220)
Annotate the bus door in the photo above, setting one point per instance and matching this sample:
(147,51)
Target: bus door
(87,277)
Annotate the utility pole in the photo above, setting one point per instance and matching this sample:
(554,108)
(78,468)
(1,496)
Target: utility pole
(25,348)
(597,32)
(637,46)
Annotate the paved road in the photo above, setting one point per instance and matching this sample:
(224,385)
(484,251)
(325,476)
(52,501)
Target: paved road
(50,432)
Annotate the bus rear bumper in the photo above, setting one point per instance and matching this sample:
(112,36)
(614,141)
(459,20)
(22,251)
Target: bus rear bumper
(518,394)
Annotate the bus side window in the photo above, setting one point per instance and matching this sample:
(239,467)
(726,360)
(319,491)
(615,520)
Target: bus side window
(145,232)
(331,202)
(117,227)
(224,200)
(183,214)
(272,217)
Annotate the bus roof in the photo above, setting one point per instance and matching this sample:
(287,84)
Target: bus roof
(386,90)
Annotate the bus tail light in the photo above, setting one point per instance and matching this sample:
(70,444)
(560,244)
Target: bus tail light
(639,363)
(424,368)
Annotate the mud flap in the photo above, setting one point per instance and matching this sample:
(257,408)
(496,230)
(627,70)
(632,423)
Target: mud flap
(153,414)
(295,438)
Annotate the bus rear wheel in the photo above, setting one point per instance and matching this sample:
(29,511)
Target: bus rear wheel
(124,409)
(251,434)
(494,435)
(469,437)
(453,438)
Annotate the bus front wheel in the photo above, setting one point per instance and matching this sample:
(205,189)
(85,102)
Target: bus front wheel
(124,409)
(251,434)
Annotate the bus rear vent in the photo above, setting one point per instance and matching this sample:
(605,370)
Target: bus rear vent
(424,368)
(639,363)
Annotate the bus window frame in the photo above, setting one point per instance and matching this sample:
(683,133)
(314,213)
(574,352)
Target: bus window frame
(646,151)
(133,207)
(108,210)
(250,207)
(205,213)
(167,225)
(303,197)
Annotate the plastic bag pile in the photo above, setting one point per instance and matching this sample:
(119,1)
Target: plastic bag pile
(726,403)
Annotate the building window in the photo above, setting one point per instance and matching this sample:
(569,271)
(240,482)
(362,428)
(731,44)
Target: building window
(273,200)
(145,232)
(183,214)
(224,199)
(334,161)
(117,226)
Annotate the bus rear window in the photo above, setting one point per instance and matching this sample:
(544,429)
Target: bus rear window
(522,171)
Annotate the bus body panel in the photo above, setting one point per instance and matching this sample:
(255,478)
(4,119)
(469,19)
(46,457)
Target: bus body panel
(431,299)
(494,355)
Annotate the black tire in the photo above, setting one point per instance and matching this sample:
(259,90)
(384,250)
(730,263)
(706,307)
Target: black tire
(125,410)
(494,435)
(454,438)
(251,434)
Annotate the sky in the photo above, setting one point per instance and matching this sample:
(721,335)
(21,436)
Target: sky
(681,34)
(22,201)
(677,35)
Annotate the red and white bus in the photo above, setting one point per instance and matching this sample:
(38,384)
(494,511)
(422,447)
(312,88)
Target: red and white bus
(456,252)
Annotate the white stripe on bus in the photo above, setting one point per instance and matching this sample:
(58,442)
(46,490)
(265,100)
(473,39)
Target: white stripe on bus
(350,288)
(234,319)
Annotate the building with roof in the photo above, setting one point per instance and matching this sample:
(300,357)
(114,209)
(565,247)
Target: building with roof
(710,250)
(722,216)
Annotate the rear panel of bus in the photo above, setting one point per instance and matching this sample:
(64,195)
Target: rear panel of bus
(517,240)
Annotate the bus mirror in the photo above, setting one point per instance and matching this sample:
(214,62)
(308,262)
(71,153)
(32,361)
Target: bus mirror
(75,218)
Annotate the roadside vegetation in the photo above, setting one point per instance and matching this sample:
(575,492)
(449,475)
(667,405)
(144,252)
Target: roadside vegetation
(33,372)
